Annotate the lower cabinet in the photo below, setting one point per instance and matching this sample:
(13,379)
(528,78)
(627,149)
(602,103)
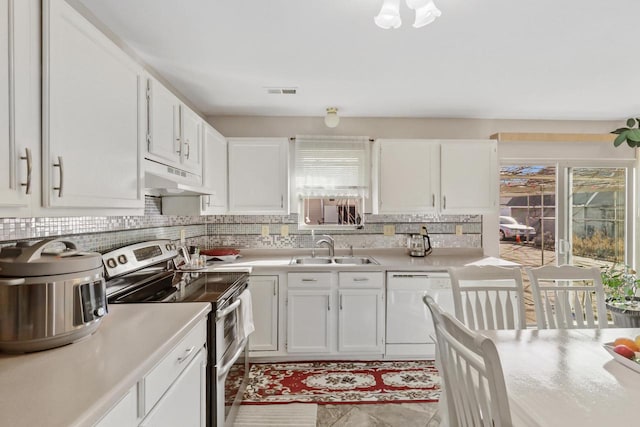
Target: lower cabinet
(184,402)
(172,393)
(264,300)
(335,313)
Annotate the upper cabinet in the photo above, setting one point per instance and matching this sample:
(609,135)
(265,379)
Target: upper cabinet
(93,116)
(437,176)
(174,135)
(19,106)
(214,177)
(258,175)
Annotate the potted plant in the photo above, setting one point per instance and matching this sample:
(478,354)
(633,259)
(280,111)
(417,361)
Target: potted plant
(629,134)
(620,286)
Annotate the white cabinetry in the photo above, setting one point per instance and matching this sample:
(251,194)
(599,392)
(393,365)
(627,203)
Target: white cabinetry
(264,300)
(360,312)
(258,175)
(409,324)
(174,134)
(183,404)
(19,106)
(310,319)
(214,177)
(338,313)
(92,116)
(174,391)
(427,176)
(408,176)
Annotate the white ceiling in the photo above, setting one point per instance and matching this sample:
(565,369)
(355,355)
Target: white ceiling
(543,59)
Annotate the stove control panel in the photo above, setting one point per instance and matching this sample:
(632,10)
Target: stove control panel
(137,256)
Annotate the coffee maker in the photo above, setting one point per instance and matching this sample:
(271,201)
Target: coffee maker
(419,245)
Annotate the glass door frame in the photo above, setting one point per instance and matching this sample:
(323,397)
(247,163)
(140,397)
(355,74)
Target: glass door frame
(563,206)
(563,200)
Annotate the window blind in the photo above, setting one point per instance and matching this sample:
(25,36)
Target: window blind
(332,166)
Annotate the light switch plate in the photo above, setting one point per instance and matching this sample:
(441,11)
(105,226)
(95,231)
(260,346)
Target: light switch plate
(458,230)
(265,230)
(389,230)
(284,230)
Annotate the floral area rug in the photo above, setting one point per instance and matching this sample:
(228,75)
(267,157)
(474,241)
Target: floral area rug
(343,382)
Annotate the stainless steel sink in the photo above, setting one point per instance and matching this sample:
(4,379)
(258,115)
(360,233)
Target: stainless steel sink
(340,260)
(359,260)
(307,260)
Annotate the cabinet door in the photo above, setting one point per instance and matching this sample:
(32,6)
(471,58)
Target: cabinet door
(91,116)
(215,171)
(163,139)
(264,300)
(184,402)
(191,140)
(258,176)
(469,177)
(408,176)
(309,324)
(360,320)
(19,106)
(124,413)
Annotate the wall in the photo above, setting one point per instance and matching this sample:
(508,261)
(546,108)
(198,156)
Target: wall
(246,126)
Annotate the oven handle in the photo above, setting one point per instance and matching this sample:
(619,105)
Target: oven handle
(225,369)
(224,313)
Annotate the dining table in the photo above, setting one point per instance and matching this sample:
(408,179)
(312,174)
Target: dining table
(565,377)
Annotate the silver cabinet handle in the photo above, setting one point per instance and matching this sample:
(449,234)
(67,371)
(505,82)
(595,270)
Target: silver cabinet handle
(61,166)
(340,302)
(309,280)
(179,146)
(433,199)
(27,157)
(186,354)
(360,279)
(444,202)
(274,289)
(188,149)
(328,304)
(281,201)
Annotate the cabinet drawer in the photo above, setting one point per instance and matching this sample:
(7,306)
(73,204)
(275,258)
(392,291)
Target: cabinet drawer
(309,280)
(165,372)
(123,413)
(365,279)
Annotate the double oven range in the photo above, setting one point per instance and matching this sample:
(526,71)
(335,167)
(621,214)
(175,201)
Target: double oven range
(145,272)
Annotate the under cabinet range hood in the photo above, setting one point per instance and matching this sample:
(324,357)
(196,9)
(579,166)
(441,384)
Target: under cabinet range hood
(169,181)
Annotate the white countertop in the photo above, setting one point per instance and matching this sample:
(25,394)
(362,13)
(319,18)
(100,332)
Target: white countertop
(76,384)
(275,260)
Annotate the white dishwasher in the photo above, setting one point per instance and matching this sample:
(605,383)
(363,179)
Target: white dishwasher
(409,324)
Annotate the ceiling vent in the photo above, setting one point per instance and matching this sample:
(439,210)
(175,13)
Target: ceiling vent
(281,90)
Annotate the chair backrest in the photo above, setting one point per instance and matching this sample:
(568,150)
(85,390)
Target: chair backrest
(476,394)
(488,297)
(563,300)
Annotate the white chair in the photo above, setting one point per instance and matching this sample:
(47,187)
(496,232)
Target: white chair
(488,297)
(470,367)
(561,303)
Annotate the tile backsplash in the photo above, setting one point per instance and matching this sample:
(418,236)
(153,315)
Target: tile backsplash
(241,231)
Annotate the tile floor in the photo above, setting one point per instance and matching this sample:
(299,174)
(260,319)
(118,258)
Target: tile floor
(383,415)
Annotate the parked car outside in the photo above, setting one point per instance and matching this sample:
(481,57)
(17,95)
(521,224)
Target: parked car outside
(511,229)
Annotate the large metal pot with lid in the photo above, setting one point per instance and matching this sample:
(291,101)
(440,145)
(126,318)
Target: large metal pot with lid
(51,294)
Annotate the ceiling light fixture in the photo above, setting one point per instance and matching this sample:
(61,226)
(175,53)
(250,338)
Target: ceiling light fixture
(332,119)
(389,16)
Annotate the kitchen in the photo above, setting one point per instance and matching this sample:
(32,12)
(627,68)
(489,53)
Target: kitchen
(100,213)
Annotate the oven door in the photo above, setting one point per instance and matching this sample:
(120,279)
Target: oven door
(231,374)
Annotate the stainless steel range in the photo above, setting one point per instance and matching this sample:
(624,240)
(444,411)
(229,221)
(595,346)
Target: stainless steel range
(145,272)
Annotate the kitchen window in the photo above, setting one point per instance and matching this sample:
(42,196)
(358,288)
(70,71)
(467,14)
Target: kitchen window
(332,180)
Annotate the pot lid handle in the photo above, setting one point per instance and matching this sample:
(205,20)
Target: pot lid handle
(31,253)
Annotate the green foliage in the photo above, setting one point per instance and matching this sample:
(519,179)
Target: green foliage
(620,282)
(629,134)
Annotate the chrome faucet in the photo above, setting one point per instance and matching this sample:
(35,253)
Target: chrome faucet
(328,240)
